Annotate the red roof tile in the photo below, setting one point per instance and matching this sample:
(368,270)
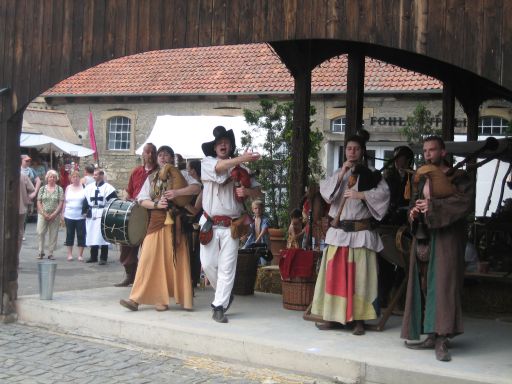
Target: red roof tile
(235,69)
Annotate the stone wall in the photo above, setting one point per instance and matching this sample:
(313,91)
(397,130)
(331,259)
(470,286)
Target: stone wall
(383,116)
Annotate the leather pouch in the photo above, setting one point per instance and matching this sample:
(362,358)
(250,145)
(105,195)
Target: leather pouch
(240,227)
(206,232)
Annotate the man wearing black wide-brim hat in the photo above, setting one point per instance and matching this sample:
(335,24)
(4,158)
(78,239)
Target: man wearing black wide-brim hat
(221,207)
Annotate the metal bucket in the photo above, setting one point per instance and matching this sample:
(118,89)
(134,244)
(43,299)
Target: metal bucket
(46,273)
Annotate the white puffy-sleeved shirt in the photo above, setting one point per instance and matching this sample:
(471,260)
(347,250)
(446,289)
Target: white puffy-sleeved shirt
(145,192)
(218,195)
(375,205)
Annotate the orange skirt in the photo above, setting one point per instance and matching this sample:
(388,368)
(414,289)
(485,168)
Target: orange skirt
(161,274)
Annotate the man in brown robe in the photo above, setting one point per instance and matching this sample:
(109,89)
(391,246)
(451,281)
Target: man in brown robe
(433,301)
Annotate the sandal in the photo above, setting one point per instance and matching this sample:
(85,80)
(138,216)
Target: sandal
(359,328)
(40,256)
(328,325)
(161,307)
(70,258)
(80,258)
(428,343)
(50,257)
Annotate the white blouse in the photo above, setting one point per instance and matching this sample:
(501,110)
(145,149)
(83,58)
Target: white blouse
(375,205)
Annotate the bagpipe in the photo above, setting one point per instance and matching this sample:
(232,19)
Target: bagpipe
(431,179)
(170,177)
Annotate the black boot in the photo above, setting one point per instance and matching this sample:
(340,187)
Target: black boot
(129,277)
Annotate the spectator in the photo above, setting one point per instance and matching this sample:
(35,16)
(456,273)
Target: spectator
(88,175)
(72,214)
(27,194)
(49,205)
(295,230)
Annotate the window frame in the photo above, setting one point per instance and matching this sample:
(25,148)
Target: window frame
(342,124)
(502,127)
(106,116)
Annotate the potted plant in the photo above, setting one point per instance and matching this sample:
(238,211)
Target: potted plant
(272,124)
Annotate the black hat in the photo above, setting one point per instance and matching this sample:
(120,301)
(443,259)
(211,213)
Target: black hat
(219,132)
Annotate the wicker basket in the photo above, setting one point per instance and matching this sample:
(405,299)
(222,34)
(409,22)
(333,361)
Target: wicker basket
(298,293)
(246,268)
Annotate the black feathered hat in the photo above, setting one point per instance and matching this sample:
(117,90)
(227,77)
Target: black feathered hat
(219,132)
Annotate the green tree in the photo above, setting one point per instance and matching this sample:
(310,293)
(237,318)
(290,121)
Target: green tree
(272,122)
(419,125)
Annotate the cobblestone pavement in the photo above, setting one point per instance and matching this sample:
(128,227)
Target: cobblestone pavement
(33,355)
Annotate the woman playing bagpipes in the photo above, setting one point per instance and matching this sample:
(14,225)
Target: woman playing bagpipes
(346,288)
(164,266)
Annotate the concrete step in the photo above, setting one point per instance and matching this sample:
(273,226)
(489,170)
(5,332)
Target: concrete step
(261,332)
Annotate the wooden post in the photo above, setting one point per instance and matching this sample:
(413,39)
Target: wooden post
(9,194)
(355,94)
(300,136)
(473,119)
(448,112)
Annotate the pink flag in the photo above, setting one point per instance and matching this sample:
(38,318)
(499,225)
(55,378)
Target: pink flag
(92,138)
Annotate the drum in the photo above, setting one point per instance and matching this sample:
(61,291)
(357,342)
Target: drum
(124,222)
(397,243)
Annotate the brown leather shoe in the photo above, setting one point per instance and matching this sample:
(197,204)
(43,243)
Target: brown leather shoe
(442,353)
(125,283)
(130,304)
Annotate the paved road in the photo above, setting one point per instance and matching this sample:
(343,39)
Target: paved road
(70,275)
(32,355)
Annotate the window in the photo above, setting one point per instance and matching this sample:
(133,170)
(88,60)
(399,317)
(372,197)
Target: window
(119,133)
(338,125)
(388,154)
(492,125)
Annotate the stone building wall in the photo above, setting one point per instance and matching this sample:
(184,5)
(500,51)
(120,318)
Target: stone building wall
(383,117)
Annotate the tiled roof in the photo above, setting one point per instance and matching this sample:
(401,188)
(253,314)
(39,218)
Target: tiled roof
(235,69)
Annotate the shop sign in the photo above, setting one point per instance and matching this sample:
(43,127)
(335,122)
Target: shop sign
(394,121)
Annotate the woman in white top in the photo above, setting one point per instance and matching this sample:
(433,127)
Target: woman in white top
(72,213)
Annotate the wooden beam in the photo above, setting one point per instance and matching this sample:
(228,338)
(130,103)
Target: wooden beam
(473,119)
(9,212)
(355,93)
(448,112)
(300,143)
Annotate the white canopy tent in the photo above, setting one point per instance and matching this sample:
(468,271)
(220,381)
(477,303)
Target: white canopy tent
(185,134)
(50,145)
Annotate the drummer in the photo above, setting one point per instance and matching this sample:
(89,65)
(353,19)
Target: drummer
(164,266)
(97,195)
(128,255)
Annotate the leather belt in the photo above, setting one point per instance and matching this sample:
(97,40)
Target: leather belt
(221,221)
(356,225)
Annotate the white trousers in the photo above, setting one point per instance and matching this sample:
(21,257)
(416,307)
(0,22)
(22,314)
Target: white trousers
(218,259)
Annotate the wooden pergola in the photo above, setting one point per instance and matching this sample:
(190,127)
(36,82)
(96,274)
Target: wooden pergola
(466,44)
